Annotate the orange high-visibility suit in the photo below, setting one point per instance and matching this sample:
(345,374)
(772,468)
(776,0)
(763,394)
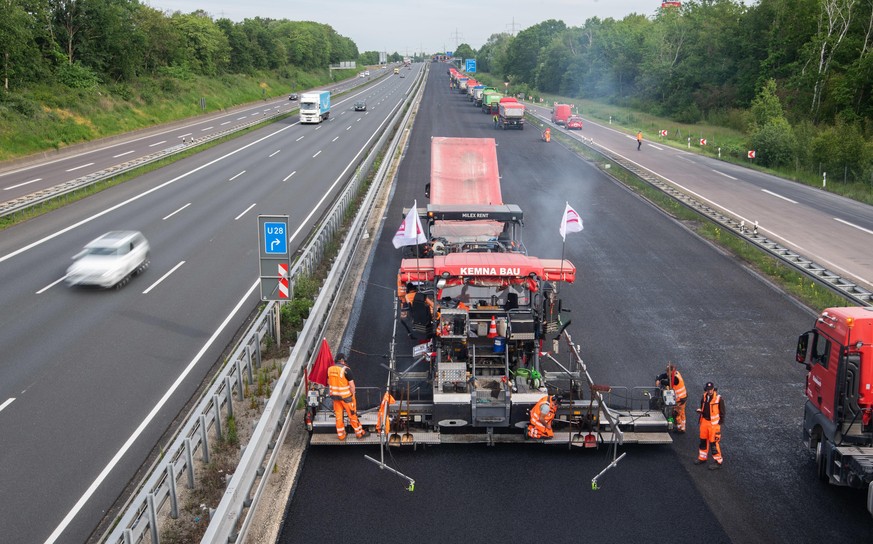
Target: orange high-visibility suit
(541,416)
(673,380)
(711,419)
(340,382)
(384,416)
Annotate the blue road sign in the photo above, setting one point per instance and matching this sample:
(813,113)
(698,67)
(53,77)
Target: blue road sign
(470,66)
(275,238)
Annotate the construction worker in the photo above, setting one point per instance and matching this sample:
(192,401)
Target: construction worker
(673,380)
(494,118)
(711,419)
(547,135)
(342,391)
(383,423)
(421,309)
(639,139)
(541,416)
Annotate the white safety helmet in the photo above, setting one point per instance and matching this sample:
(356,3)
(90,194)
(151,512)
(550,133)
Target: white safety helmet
(545,409)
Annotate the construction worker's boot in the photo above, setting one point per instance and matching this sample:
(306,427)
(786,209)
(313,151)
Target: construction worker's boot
(699,461)
(364,434)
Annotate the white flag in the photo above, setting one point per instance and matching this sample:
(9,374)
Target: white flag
(410,232)
(571,222)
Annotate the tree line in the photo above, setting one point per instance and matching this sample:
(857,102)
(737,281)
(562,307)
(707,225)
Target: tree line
(795,75)
(84,42)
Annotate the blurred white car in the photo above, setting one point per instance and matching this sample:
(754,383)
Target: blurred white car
(110,260)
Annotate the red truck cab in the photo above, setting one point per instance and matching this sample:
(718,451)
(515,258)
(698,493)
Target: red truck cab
(838,414)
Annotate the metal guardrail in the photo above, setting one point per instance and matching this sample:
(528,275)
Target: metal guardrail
(139,520)
(738,227)
(10,207)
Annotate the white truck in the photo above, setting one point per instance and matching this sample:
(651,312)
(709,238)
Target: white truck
(314,107)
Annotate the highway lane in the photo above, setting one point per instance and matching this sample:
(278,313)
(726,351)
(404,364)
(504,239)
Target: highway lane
(19,181)
(824,227)
(648,291)
(90,380)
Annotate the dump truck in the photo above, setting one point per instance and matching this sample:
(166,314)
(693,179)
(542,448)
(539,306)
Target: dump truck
(838,414)
(466,211)
(490,102)
(471,85)
(478,90)
(510,115)
(314,107)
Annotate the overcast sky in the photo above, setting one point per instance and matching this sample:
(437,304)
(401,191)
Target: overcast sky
(407,26)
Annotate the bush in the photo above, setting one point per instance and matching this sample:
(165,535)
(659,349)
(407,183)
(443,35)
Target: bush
(122,91)
(775,143)
(77,76)
(839,149)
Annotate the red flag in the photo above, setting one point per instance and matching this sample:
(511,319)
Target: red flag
(323,361)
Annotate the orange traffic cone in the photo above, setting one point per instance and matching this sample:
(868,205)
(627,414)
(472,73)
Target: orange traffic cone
(492,329)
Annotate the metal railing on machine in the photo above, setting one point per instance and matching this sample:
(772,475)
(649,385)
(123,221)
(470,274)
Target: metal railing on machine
(230,520)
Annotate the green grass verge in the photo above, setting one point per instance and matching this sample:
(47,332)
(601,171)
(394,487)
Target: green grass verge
(42,118)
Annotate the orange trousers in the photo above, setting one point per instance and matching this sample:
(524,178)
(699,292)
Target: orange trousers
(346,406)
(710,440)
(679,415)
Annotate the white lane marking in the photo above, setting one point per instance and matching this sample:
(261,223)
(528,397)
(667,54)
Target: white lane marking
(275,152)
(145,422)
(240,118)
(317,154)
(773,234)
(7,403)
(205,129)
(289,175)
(853,225)
(244,212)
(335,139)
(256,113)
(184,135)
(236,176)
(723,174)
(655,147)
(777,195)
(348,127)
(139,196)
(122,154)
(52,284)
(162,278)
(175,212)
(158,143)
(358,120)
(78,167)
(25,183)
(300,138)
(224,123)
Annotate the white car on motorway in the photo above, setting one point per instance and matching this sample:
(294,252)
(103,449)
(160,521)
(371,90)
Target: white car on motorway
(110,260)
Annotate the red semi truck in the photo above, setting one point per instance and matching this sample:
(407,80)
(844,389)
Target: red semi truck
(838,414)
(560,114)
